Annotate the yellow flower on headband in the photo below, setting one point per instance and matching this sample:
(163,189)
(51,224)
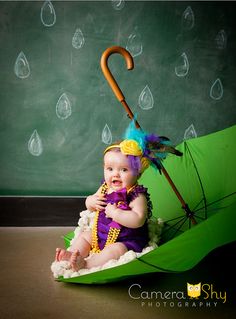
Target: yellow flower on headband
(130,147)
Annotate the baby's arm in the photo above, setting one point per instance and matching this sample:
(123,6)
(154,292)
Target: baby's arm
(96,201)
(133,218)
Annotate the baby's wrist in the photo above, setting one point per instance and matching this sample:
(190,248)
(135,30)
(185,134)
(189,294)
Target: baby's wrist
(115,213)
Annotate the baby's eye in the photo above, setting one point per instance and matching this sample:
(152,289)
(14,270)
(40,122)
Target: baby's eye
(124,169)
(109,169)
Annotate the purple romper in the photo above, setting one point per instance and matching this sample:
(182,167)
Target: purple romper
(133,238)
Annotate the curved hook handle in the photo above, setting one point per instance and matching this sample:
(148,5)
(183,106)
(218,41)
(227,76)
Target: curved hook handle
(107,73)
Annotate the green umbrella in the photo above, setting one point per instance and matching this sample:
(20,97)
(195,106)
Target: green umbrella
(206,177)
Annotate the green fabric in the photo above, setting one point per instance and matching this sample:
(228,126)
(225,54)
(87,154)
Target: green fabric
(213,157)
(186,250)
(207,168)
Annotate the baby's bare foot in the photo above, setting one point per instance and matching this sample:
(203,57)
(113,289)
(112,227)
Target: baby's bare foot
(62,254)
(76,261)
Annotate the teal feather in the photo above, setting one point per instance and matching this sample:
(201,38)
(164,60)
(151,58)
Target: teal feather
(155,148)
(132,133)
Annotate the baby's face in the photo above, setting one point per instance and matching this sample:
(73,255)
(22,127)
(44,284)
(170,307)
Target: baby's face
(118,173)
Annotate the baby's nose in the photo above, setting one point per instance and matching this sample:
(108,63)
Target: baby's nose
(116,173)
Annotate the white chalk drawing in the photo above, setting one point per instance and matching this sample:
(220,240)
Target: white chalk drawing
(134,44)
(35,145)
(145,100)
(188,19)
(118,4)
(78,39)
(63,107)
(221,40)
(182,66)
(22,68)
(216,91)
(48,14)
(190,132)
(106,135)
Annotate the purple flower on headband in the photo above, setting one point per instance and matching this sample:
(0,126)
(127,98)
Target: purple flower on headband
(135,164)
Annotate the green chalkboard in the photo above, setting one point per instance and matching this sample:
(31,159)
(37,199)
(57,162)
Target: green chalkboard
(57,112)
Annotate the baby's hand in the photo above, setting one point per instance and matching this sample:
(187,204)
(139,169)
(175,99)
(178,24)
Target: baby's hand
(109,210)
(96,202)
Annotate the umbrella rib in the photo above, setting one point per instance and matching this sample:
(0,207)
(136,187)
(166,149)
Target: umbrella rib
(185,219)
(179,217)
(180,220)
(217,208)
(216,201)
(172,226)
(195,207)
(200,181)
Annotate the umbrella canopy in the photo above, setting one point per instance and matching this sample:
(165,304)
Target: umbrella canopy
(206,178)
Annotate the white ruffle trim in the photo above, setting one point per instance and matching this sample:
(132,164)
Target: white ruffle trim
(85,223)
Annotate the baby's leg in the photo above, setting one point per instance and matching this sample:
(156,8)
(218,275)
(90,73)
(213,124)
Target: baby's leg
(82,244)
(113,251)
(76,261)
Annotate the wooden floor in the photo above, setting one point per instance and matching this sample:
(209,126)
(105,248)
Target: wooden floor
(28,289)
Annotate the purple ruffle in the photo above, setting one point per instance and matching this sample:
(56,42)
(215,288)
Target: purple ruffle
(133,238)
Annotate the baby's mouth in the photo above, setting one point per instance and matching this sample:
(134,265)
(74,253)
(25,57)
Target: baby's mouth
(116,182)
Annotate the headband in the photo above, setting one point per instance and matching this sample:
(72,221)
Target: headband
(150,148)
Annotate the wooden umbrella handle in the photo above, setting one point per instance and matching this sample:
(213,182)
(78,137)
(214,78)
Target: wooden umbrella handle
(107,73)
(110,79)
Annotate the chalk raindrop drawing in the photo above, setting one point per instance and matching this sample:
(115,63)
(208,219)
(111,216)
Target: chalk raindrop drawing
(217,91)
(182,65)
(48,14)
(63,107)
(221,40)
(118,4)
(106,135)
(190,132)
(188,19)
(146,100)
(78,39)
(22,68)
(35,146)
(134,44)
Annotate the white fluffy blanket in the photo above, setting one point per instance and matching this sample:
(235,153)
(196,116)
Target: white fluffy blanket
(85,222)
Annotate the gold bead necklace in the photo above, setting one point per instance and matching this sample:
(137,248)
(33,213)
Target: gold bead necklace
(113,232)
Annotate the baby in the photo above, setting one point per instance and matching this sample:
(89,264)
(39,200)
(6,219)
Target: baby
(122,206)
(122,209)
